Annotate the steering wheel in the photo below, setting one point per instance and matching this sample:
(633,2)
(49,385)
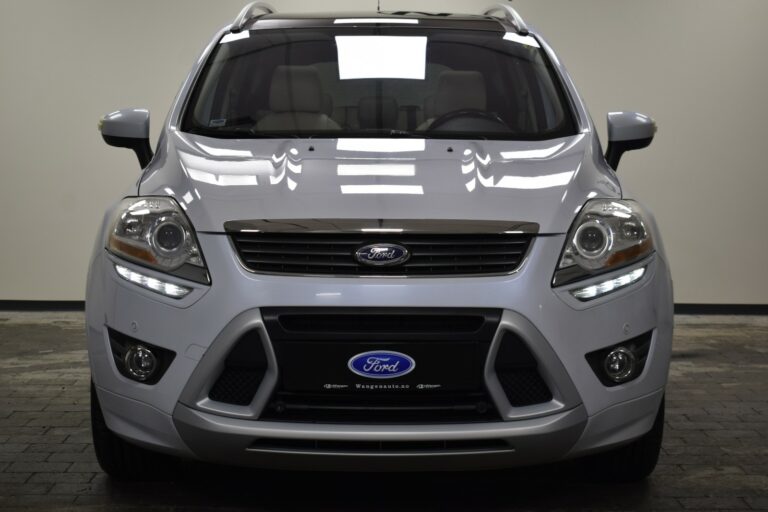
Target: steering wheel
(476,114)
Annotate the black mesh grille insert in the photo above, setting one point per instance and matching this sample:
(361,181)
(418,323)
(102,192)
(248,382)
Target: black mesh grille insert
(524,387)
(333,254)
(388,323)
(236,386)
(348,408)
(243,372)
(518,373)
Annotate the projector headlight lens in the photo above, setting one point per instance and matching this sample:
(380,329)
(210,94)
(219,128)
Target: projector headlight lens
(592,239)
(169,236)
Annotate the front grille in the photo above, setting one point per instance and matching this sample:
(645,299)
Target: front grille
(333,254)
(313,347)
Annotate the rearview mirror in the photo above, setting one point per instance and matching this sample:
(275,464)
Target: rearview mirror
(128,128)
(627,131)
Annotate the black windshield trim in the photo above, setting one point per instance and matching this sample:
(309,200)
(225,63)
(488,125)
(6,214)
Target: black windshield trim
(333,135)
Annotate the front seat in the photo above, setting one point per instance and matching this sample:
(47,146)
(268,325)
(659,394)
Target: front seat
(456,90)
(296,102)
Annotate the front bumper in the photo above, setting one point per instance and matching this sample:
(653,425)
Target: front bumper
(195,434)
(584,416)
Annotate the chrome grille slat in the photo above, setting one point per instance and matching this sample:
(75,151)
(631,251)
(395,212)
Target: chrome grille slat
(297,261)
(292,250)
(431,254)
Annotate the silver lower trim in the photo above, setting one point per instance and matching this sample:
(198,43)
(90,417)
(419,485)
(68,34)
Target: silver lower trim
(198,387)
(229,440)
(564,393)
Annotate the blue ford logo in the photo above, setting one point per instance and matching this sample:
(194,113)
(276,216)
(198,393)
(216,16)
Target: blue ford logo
(382,255)
(381,364)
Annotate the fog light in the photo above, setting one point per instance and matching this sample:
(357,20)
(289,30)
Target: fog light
(620,365)
(140,363)
(139,360)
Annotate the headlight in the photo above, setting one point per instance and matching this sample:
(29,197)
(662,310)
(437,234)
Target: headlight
(608,234)
(154,232)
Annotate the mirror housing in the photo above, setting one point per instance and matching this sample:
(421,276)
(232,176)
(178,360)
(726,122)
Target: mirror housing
(128,128)
(627,131)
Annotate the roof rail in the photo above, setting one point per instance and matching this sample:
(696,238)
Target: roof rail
(511,15)
(250,12)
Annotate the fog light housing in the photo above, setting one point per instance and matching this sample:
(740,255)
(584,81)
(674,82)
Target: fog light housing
(623,362)
(138,360)
(140,363)
(620,365)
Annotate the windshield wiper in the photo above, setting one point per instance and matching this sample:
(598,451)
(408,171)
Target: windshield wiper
(403,134)
(427,134)
(242,132)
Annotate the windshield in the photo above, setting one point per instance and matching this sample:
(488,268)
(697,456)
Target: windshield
(378,82)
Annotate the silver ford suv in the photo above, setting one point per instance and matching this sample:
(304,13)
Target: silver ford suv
(378,241)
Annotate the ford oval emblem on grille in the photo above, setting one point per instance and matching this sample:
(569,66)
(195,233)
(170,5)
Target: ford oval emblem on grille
(382,255)
(381,364)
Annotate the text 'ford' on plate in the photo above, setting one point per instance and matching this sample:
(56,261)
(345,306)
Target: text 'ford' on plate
(382,255)
(381,364)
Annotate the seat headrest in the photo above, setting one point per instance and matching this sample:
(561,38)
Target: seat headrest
(378,112)
(460,90)
(296,89)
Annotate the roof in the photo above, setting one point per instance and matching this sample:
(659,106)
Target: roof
(420,19)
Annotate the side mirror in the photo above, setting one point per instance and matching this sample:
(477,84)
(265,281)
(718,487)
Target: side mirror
(627,131)
(128,128)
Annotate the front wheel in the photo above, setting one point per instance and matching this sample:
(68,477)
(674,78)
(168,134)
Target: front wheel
(631,462)
(117,457)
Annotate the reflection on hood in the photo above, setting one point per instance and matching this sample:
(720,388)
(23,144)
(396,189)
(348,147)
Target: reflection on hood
(227,180)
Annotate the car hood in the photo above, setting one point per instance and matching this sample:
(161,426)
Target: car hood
(218,180)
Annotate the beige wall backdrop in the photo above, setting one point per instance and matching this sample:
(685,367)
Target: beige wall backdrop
(697,66)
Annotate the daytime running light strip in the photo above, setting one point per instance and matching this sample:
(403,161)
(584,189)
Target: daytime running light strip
(150,283)
(598,290)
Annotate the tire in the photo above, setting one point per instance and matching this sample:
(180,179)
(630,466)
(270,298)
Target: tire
(632,462)
(117,457)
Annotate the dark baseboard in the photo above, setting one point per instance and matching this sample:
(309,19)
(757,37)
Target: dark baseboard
(721,309)
(680,309)
(42,305)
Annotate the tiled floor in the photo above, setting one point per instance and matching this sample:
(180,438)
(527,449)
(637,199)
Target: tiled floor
(715,448)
